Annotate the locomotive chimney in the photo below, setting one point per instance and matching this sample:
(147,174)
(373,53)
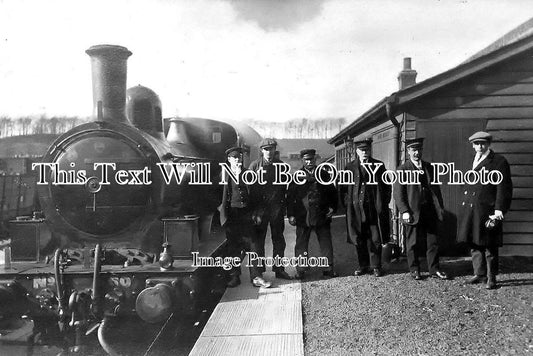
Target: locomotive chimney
(109,71)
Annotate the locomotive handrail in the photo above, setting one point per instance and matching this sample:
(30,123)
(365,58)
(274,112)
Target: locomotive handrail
(168,155)
(71,136)
(175,158)
(59,283)
(96,280)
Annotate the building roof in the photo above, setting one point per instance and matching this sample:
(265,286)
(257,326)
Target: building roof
(512,36)
(515,43)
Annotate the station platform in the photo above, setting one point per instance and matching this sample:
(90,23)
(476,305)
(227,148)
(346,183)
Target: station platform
(257,321)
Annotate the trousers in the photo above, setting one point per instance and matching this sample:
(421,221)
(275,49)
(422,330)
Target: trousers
(323,234)
(369,247)
(485,260)
(274,218)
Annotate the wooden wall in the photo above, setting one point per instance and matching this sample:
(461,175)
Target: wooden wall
(500,100)
(514,139)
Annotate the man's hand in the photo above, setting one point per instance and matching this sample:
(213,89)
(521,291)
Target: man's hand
(406,217)
(292,220)
(498,215)
(330,213)
(256,219)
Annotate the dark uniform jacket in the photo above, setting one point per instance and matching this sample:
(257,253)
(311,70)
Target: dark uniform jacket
(480,201)
(268,197)
(408,197)
(309,203)
(354,196)
(244,192)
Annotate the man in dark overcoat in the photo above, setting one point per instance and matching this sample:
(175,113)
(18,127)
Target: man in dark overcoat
(310,206)
(421,207)
(236,218)
(482,211)
(270,204)
(367,209)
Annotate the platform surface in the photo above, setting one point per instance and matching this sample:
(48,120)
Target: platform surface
(256,321)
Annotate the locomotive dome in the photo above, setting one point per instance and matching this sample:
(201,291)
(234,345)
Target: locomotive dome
(143,109)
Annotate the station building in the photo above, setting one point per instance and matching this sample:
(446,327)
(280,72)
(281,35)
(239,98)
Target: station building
(491,91)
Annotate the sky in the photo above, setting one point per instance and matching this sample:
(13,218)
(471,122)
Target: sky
(267,60)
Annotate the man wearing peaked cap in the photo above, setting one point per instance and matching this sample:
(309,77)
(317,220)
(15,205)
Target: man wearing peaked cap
(414,143)
(270,204)
(268,142)
(310,206)
(307,154)
(236,218)
(367,209)
(482,211)
(363,144)
(421,208)
(480,136)
(234,151)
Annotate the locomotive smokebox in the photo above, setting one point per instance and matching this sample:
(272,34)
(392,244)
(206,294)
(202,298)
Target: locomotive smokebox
(109,73)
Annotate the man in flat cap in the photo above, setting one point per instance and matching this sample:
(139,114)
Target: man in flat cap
(236,218)
(310,206)
(269,204)
(482,211)
(367,209)
(421,208)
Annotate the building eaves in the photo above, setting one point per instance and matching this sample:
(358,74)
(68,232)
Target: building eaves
(364,120)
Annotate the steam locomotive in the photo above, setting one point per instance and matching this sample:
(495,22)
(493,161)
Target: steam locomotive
(120,249)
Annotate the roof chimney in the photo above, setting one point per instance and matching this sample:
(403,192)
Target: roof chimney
(407,77)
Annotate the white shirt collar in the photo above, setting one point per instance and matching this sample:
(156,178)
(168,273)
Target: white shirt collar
(477,160)
(417,165)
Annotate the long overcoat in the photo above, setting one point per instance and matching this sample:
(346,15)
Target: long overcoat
(408,196)
(353,197)
(480,201)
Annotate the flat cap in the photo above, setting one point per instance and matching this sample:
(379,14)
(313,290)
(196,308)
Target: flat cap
(268,142)
(480,136)
(307,153)
(415,142)
(234,151)
(366,143)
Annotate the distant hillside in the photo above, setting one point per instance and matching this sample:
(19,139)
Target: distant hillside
(37,126)
(299,128)
(26,146)
(296,128)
